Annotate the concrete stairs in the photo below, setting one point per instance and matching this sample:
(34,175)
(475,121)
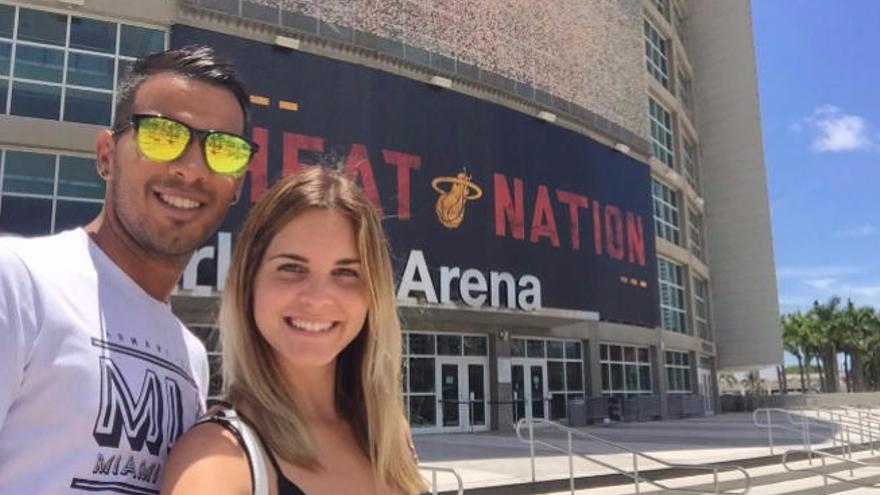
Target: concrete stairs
(770,479)
(768,476)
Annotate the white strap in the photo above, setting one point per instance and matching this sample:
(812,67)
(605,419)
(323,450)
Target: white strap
(252,448)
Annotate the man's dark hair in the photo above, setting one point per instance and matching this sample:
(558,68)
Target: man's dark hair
(196,61)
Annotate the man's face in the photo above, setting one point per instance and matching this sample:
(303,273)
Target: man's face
(170,208)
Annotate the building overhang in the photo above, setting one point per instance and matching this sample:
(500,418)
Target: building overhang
(542,318)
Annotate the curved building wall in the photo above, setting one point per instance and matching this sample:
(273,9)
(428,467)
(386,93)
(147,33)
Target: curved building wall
(588,52)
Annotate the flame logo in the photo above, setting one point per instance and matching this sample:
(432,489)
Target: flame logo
(450,204)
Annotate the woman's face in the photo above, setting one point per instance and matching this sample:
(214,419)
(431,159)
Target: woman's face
(310,297)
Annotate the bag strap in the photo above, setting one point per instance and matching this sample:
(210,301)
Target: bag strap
(249,440)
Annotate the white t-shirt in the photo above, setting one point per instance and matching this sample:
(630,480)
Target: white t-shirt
(97,378)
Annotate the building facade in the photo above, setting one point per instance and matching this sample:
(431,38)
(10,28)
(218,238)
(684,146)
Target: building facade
(574,191)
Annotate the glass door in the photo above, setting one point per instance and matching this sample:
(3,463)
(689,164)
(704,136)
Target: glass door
(705,379)
(476,382)
(529,380)
(464,402)
(450,395)
(518,380)
(537,389)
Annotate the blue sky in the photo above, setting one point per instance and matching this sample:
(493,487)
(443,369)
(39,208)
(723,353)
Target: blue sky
(819,84)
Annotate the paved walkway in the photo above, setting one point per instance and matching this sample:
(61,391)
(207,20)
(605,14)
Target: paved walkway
(498,458)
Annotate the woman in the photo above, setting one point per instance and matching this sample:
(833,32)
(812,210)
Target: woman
(311,353)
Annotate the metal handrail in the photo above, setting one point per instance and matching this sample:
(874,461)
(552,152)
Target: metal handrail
(824,472)
(856,425)
(842,425)
(436,469)
(802,423)
(714,469)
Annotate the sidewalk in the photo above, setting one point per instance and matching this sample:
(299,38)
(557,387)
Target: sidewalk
(498,459)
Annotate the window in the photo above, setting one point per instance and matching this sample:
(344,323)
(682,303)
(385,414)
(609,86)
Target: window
(679,19)
(43,193)
(62,67)
(701,308)
(685,91)
(565,375)
(626,370)
(665,212)
(678,372)
(691,173)
(210,337)
(661,132)
(672,307)
(656,55)
(662,6)
(695,233)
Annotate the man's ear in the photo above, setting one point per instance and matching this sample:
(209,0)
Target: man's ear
(105,147)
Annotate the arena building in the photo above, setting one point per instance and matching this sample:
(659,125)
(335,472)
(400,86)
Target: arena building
(574,191)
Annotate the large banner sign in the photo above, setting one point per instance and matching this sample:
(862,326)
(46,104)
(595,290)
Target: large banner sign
(484,206)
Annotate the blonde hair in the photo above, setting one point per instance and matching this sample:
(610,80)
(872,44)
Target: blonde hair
(368,376)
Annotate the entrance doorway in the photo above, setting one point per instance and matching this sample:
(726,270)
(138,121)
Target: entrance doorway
(463,384)
(529,380)
(707,390)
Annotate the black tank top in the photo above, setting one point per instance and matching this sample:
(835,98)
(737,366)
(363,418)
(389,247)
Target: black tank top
(285,486)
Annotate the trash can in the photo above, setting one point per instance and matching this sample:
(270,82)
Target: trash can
(577,412)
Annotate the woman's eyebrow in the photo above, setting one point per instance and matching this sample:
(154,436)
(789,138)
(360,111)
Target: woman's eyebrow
(294,257)
(348,261)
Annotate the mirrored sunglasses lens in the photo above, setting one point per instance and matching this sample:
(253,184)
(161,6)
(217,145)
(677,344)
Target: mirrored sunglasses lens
(227,153)
(162,139)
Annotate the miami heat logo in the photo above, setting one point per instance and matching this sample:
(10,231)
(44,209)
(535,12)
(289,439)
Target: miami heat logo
(450,204)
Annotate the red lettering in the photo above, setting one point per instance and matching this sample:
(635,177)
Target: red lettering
(614,232)
(597,228)
(543,221)
(507,209)
(357,165)
(259,166)
(574,201)
(293,143)
(635,239)
(404,163)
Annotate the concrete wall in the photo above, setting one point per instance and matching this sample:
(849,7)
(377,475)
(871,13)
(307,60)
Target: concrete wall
(743,283)
(732,403)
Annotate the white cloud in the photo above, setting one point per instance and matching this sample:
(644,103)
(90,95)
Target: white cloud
(817,272)
(821,283)
(834,131)
(801,285)
(865,230)
(821,290)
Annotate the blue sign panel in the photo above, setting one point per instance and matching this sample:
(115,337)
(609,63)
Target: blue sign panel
(484,205)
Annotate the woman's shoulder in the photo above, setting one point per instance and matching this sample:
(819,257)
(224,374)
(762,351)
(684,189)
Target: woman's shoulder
(207,459)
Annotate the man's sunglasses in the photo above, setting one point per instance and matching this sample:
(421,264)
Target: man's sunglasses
(164,139)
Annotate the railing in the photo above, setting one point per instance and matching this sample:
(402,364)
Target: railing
(435,470)
(799,425)
(824,472)
(633,474)
(842,422)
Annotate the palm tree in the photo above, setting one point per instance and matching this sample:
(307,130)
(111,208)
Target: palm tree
(871,363)
(728,380)
(853,328)
(827,318)
(793,340)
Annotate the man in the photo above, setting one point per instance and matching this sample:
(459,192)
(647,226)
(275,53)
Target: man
(97,376)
